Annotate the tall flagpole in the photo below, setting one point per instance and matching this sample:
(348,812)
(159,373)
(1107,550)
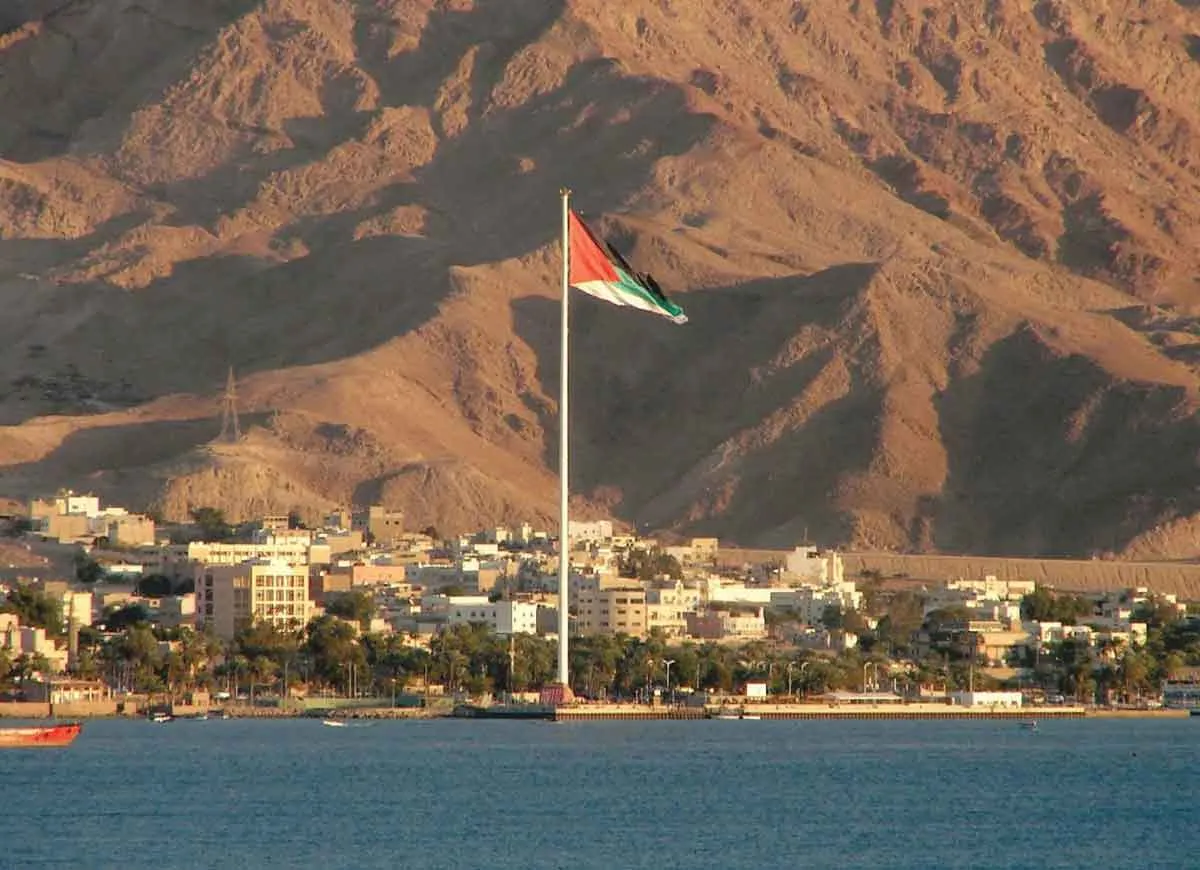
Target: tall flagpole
(564,527)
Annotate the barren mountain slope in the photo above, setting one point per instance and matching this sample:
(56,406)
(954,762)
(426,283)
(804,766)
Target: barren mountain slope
(940,260)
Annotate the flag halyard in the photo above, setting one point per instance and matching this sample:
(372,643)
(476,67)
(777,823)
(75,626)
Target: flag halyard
(599,270)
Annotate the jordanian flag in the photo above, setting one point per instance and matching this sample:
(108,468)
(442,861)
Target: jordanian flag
(598,270)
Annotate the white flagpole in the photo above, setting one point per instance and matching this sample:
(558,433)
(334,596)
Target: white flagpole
(564,536)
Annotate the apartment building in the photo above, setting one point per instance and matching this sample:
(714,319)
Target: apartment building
(131,530)
(385,527)
(266,590)
(667,608)
(612,610)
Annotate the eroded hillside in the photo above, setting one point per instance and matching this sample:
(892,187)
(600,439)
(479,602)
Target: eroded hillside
(940,260)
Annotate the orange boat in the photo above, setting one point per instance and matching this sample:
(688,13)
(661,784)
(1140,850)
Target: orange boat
(49,735)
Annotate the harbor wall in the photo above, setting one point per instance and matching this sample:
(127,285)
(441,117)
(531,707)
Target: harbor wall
(24,710)
(84,709)
(612,712)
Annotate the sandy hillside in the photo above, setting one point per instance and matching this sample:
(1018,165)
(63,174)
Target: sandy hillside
(940,260)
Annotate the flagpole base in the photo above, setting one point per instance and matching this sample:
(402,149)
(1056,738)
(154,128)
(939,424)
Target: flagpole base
(556,695)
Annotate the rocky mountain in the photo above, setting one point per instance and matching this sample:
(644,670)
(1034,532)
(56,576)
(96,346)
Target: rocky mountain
(940,258)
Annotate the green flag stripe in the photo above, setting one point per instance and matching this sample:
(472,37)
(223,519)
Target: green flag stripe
(632,286)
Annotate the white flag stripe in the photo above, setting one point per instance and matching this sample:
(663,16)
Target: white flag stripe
(606,291)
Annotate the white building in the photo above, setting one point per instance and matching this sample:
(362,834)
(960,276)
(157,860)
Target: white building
(808,566)
(667,608)
(70,503)
(986,699)
(501,617)
(77,608)
(593,531)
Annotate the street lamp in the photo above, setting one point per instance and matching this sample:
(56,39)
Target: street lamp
(790,665)
(804,665)
(668,663)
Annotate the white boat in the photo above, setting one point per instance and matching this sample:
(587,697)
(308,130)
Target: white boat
(162,717)
(333,723)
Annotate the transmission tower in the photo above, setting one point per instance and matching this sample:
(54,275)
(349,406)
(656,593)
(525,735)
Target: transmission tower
(230,430)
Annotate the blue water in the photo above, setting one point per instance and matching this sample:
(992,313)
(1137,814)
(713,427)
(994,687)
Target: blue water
(489,794)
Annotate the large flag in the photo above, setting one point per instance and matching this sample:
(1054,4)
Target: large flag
(598,270)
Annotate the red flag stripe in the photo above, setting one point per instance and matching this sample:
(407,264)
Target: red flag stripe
(589,262)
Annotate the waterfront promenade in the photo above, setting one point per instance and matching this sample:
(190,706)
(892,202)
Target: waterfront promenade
(601,712)
(614,712)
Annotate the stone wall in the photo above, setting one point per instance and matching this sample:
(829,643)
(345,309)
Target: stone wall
(23,710)
(84,709)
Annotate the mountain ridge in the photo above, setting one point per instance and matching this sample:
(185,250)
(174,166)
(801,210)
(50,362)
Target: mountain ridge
(939,261)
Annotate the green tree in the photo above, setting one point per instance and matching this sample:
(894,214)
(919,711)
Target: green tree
(836,617)
(1136,671)
(121,618)
(330,645)
(87,569)
(154,585)
(35,608)
(357,605)
(1156,612)
(647,565)
(1044,605)
(211,522)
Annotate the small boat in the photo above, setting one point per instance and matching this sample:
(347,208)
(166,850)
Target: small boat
(201,717)
(333,723)
(162,717)
(735,714)
(1029,725)
(51,735)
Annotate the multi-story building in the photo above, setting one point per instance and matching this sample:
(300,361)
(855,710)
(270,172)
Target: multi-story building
(66,502)
(501,617)
(131,530)
(612,610)
(667,608)
(342,541)
(593,531)
(384,527)
(732,623)
(294,552)
(28,640)
(231,596)
(76,608)
(809,566)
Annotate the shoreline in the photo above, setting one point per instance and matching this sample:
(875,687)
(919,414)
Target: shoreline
(610,712)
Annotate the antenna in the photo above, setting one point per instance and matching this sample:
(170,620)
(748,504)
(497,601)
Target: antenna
(231,432)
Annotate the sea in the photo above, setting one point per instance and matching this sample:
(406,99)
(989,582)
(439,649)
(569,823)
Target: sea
(522,795)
